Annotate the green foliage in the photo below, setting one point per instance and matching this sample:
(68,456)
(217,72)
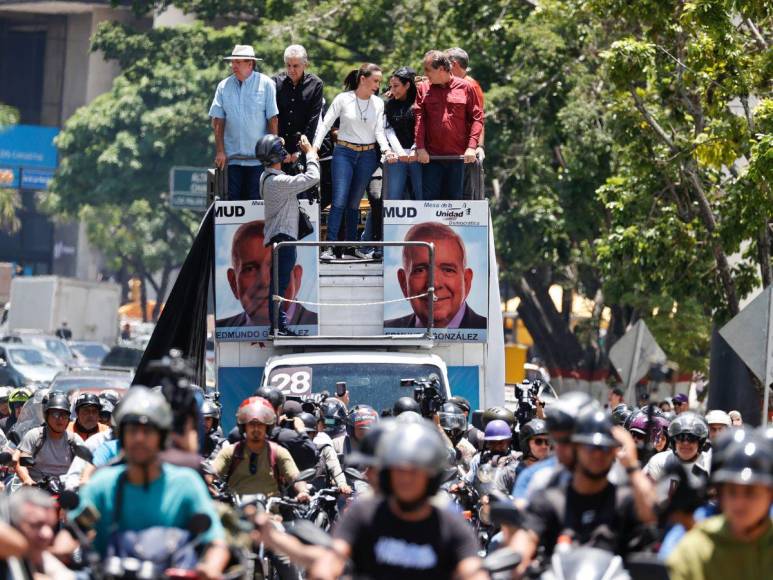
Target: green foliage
(10,201)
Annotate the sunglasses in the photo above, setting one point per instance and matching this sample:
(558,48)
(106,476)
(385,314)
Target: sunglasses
(638,436)
(686,438)
(59,415)
(541,441)
(253,463)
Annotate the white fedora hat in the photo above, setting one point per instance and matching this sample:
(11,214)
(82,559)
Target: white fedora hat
(242,52)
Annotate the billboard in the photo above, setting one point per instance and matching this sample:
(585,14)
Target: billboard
(459,232)
(243,274)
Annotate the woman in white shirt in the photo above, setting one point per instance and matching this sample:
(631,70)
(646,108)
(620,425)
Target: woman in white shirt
(356,155)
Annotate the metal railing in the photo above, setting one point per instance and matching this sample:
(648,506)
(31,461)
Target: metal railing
(430,291)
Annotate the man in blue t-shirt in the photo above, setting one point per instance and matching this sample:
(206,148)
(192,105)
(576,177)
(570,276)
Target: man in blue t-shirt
(150,493)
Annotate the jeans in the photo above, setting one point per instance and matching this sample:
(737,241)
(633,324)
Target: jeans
(244,182)
(352,171)
(443,180)
(287,256)
(398,175)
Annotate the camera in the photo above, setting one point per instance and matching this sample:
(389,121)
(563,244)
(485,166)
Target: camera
(427,392)
(527,395)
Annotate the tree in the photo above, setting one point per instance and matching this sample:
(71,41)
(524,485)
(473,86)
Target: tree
(10,202)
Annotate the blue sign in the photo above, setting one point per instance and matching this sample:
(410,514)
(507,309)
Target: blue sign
(36,178)
(28,146)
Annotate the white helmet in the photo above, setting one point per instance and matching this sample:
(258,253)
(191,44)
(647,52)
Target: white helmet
(717,417)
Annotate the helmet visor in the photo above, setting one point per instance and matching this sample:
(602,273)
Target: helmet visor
(452,421)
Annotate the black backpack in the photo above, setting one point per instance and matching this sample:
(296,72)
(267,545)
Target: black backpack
(302,449)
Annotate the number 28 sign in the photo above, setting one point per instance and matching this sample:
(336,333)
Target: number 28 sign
(292,381)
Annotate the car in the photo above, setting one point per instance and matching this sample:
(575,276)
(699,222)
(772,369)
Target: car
(21,364)
(122,357)
(91,381)
(56,346)
(89,353)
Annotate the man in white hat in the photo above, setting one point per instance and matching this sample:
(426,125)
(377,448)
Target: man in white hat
(243,110)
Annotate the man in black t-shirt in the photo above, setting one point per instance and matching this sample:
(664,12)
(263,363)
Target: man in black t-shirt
(585,509)
(402,535)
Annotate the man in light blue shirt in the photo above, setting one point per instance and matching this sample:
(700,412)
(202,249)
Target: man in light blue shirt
(244,110)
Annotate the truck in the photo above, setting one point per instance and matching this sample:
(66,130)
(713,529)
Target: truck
(351,346)
(42,303)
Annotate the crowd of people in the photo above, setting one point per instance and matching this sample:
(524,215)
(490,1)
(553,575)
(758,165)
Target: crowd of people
(421,492)
(419,139)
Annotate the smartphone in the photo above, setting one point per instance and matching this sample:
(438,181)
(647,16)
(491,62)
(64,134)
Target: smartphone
(340,388)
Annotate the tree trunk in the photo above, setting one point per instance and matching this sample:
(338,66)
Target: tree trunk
(144,298)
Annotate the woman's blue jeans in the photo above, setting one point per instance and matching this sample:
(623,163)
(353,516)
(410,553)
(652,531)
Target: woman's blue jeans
(351,171)
(398,175)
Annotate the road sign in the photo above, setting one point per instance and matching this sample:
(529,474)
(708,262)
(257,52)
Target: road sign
(633,355)
(750,335)
(188,187)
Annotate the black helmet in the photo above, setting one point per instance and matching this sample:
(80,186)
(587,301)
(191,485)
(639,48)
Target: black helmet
(529,431)
(404,404)
(333,413)
(594,427)
(272,395)
(620,414)
(269,150)
(409,417)
(502,413)
(749,462)
(562,414)
(452,418)
(462,403)
(724,441)
(56,400)
(309,422)
(689,423)
(86,399)
(417,445)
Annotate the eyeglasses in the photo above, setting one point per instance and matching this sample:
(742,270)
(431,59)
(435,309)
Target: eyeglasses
(253,463)
(686,438)
(58,415)
(541,441)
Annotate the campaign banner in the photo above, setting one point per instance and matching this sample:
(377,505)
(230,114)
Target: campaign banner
(243,275)
(459,232)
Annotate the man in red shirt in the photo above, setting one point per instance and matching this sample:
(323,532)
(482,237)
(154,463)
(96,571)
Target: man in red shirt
(449,122)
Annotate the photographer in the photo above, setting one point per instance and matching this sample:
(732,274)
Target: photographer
(280,192)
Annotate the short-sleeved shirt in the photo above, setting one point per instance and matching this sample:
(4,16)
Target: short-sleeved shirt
(168,501)
(263,480)
(246,107)
(55,455)
(384,546)
(605,520)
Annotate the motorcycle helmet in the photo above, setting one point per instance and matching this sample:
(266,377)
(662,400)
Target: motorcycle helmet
(620,414)
(86,399)
(404,404)
(363,416)
(452,419)
(56,400)
(144,406)
(497,430)
(309,423)
(749,462)
(212,410)
(462,403)
(19,396)
(718,417)
(4,393)
(365,454)
(418,446)
(529,431)
(409,417)
(272,395)
(270,149)
(640,424)
(255,409)
(111,395)
(688,423)
(594,427)
(493,413)
(333,414)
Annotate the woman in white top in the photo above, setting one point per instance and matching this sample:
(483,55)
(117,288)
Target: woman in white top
(356,156)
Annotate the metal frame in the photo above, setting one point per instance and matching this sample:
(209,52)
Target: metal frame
(430,287)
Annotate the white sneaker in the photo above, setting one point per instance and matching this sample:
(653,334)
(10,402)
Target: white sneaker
(363,253)
(327,254)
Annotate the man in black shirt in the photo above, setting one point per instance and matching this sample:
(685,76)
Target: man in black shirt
(299,99)
(585,509)
(402,535)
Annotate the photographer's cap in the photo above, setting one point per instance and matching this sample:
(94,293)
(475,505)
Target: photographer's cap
(242,52)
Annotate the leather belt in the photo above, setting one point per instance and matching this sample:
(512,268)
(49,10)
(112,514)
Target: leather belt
(355,146)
